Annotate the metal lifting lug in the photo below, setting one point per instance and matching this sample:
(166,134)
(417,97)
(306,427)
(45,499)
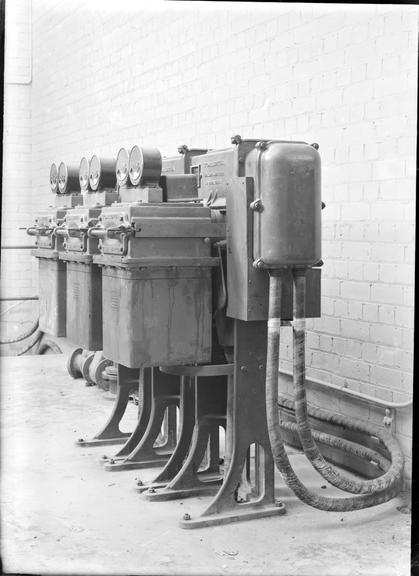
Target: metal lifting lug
(96,232)
(120,231)
(256,205)
(237,139)
(32,231)
(61,231)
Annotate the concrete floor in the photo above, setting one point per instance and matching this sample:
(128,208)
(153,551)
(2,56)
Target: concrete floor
(63,514)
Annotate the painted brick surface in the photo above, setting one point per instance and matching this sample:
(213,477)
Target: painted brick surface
(17,265)
(341,76)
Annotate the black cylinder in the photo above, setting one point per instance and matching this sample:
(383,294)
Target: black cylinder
(84,175)
(68,178)
(53,178)
(122,160)
(102,173)
(144,166)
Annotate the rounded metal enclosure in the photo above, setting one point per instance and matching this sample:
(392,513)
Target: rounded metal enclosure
(102,173)
(53,178)
(121,168)
(145,165)
(287,206)
(68,178)
(84,174)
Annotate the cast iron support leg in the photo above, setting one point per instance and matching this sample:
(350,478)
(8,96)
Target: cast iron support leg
(111,434)
(246,417)
(144,417)
(165,393)
(187,419)
(210,410)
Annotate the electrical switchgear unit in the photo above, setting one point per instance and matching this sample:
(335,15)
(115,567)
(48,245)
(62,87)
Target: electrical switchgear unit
(229,179)
(183,275)
(84,278)
(52,271)
(156,277)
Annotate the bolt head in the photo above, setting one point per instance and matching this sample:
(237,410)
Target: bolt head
(261,145)
(278,503)
(186,517)
(140,483)
(80,440)
(258,263)
(151,490)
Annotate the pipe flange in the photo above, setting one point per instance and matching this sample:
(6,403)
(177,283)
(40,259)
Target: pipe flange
(72,369)
(98,375)
(85,369)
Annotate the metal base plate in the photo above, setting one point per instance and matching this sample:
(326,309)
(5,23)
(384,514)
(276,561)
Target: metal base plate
(207,488)
(103,441)
(236,515)
(127,465)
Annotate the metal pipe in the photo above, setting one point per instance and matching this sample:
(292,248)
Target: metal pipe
(349,392)
(20,298)
(17,247)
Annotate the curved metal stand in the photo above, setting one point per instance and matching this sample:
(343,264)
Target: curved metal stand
(111,434)
(160,394)
(203,411)
(246,425)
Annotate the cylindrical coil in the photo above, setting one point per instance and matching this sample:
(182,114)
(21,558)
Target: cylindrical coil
(122,160)
(144,166)
(102,173)
(53,178)
(68,178)
(84,175)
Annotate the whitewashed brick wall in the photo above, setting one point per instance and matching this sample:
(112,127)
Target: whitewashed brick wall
(17,265)
(110,74)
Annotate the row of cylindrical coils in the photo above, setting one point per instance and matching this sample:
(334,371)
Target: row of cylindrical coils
(139,166)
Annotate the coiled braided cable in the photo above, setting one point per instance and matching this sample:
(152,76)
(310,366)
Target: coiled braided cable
(31,345)
(278,449)
(345,445)
(23,336)
(311,450)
